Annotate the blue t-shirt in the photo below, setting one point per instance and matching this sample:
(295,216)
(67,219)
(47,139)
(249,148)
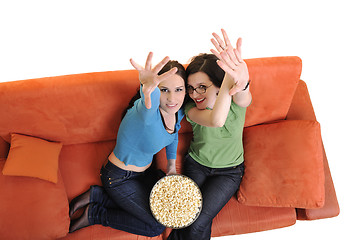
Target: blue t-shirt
(142,133)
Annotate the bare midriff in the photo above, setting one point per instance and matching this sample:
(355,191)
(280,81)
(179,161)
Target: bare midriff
(114,160)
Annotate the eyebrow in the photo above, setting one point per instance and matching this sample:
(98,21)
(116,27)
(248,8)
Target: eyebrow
(198,84)
(175,87)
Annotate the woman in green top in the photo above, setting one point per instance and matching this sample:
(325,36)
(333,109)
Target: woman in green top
(218,84)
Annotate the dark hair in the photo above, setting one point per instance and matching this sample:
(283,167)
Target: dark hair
(206,63)
(169,65)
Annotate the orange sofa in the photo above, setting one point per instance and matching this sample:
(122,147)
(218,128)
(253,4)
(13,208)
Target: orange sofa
(56,132)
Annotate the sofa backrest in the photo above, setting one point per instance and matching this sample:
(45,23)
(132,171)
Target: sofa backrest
(83,108)
(72,109)
(273,84)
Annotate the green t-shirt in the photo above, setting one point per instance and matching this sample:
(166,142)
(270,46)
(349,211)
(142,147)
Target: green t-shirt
(219,147)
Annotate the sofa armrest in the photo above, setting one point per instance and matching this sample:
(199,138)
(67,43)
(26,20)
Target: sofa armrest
(301,109)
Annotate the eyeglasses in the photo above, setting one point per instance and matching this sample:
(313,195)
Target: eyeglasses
(200,89)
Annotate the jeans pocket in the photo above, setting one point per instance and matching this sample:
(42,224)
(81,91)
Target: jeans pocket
(111,179)
(115,181)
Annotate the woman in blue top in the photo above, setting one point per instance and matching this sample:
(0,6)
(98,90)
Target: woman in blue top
(152,123)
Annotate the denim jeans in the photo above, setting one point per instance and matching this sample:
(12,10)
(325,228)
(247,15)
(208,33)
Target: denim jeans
(123,201)
(217,186)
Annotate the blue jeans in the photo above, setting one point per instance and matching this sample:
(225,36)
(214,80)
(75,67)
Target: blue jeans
(217,186)
(123,201)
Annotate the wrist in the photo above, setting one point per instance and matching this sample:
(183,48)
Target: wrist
(171,162)
(247,85)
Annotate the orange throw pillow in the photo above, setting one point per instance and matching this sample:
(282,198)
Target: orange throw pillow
(33,157)
(283,165)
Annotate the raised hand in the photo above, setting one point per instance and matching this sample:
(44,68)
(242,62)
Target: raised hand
(230,61)
(149,77)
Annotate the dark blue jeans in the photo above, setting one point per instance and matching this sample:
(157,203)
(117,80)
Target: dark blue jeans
(123,201)
(217,186)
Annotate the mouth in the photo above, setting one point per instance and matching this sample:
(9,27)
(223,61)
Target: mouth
(171,105)
(198,101)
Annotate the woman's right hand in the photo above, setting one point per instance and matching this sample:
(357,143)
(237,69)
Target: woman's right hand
(149,77)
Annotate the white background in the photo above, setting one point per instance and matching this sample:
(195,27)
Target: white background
(50,38)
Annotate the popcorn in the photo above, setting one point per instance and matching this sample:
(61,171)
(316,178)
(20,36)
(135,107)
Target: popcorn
(175,201)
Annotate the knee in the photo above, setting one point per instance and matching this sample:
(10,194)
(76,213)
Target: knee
(196,227)
(200,225)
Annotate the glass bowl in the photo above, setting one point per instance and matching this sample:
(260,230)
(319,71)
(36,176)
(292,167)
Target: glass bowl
(175,201)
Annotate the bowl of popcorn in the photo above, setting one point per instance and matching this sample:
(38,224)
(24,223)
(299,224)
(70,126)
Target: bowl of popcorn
(175,201)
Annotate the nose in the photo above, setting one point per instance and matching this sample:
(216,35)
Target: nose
(194,94)
(170,96)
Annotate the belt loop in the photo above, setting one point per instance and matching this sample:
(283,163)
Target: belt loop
(128,174)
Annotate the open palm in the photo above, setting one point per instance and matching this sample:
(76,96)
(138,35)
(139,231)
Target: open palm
(230,61)
(149,77)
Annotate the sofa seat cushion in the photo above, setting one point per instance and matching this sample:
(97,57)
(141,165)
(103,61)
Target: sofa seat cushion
(236,218)
(283,165)
(80,165)
(32,208)
(33,157)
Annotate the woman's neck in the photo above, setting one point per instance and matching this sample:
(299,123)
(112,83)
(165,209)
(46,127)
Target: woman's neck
(169,121)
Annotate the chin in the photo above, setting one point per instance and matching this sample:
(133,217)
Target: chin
(172,110)
(200,106)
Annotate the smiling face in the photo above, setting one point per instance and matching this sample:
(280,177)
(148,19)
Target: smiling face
(207,99)
(172,94)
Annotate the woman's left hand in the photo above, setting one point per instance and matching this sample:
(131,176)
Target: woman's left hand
(230,61)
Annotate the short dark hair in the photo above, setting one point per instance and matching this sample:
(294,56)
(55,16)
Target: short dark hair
(206,63)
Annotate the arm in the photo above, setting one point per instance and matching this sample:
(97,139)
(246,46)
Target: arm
(233,64)
(243,98)
(215,117)
(154,99)
(171,151)
(235,79)
(171,167)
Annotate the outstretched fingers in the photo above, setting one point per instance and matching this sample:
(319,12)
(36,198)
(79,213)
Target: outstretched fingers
(136,65)
(216,53)
(238,50)
(160,65)
(216,45)
(226,58)
(226,38)
(148,61)
(167,74)
(224,66)
(219,43)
